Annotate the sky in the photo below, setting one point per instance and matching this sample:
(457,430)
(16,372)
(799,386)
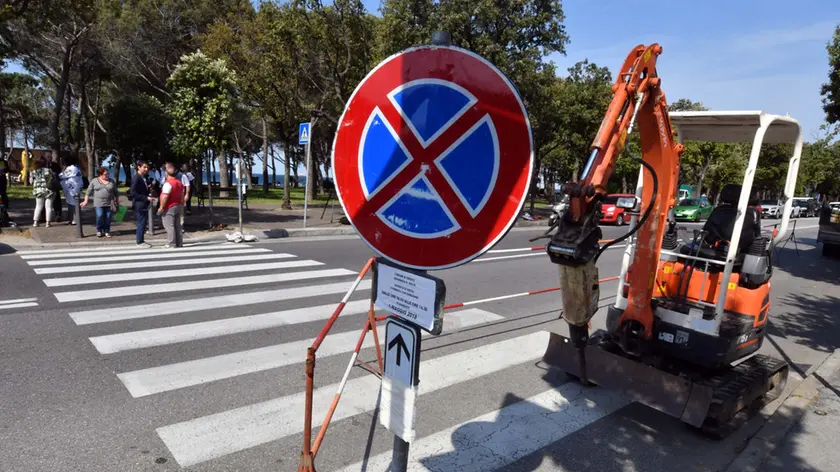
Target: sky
(730,55)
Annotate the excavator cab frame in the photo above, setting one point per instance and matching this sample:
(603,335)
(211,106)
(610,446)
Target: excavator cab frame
(757,127)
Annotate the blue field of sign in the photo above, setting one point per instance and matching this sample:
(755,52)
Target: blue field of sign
(470,164)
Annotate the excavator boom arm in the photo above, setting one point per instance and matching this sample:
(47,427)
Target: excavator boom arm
(637,101)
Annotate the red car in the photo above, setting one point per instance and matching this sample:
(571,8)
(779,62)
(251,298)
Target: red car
(612,214)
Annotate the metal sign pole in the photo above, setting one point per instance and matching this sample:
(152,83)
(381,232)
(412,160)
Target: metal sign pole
(308,176)
(239,191)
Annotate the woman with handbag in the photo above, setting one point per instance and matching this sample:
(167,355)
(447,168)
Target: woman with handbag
(105,200)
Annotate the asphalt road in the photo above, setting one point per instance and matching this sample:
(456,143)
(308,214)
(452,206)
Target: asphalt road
(120,367)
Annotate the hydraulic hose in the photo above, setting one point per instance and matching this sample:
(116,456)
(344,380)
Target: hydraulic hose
(644,217)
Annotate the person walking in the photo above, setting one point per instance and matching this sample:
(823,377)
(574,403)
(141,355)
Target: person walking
(141,199)
(185,181)
(171,201)
(71,183)
(105,200)
(41,180)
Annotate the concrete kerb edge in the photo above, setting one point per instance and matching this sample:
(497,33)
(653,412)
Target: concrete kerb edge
(784,416)
(261,234)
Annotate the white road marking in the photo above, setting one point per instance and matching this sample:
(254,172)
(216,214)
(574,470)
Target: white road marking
(104,251)
(503,436)
(155,263)
(517,256)
(18,300)
(187,273)
(112,343)
(184,286)
(488,259)
(17,305)
(520,249)
(169,377)
(127,248)
(144,255)
(201,439)
(189,305)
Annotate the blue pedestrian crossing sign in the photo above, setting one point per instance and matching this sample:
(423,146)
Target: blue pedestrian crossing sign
(303,134)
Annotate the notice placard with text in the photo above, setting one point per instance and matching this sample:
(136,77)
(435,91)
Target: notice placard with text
(412,296)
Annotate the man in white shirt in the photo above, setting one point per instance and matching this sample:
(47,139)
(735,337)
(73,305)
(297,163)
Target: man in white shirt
(185,181)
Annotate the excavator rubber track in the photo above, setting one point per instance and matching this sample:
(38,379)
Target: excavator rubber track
(714,402)
(741,391)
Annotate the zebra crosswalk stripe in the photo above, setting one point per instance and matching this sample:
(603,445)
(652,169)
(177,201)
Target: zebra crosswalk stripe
(205,438)
(188,285)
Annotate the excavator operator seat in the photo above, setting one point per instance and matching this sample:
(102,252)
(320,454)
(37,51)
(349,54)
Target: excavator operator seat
(721,222)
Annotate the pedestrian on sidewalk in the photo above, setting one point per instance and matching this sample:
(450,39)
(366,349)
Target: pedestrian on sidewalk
(171,202)
(55,167)
(141,199)
(105,200)
(185,169)
(41,180)
(185,181)
(71,183)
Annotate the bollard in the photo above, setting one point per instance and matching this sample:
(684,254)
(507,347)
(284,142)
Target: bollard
(77,217)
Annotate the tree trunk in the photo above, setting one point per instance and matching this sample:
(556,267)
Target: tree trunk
(273,166)
(60,90)
(534,180)
(624,187)
(2,128)
(265,156)
(327,175)
(90,133)
(127,169)
(230,166)
(224,176)
(249,177)
(287,193)
(295,166)
(702,176)
(311,166)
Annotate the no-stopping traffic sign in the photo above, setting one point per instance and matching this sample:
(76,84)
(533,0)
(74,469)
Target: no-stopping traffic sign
(433,157)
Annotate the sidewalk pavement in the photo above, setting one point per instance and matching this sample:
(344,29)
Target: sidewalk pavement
(265,221)
(800,435)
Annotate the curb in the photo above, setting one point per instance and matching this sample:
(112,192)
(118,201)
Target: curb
(261,234)
(785,416)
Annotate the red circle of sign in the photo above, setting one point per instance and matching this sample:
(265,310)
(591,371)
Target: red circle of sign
(496,97)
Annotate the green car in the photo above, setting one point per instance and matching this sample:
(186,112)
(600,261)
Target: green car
(692,209)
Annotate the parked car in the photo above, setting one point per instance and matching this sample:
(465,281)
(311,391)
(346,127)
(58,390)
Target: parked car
(611,213)
(693,209)
(771,208)
(808,207)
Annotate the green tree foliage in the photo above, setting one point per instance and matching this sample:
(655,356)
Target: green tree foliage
(25,108)
(144,40)
(831,90)
(203,95)
(138,128)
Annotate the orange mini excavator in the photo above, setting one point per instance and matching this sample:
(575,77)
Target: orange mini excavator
(688,313)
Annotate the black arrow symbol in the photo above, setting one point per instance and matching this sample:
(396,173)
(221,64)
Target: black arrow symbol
(401,346)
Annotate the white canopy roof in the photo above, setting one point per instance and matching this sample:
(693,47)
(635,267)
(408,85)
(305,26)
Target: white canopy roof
(733,126)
